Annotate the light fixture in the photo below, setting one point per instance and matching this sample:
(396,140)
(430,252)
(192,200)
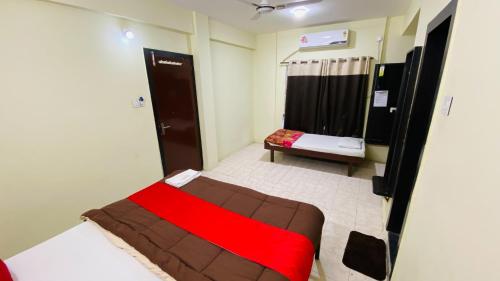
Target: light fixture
(300,11)
(128,34)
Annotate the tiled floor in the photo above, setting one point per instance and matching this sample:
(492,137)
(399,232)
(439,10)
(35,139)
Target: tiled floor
(348,203)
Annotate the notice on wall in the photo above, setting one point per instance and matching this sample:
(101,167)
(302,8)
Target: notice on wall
(380,99)
(381,71)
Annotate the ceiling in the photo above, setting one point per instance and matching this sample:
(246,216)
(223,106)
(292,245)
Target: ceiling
(238,14)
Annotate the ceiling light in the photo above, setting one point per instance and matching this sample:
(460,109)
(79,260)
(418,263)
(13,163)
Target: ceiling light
(300,12)
(128,34)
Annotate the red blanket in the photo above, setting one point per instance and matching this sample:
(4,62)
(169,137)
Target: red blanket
(286,252)
(4,272)
(284,137)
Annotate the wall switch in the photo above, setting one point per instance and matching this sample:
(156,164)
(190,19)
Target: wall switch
(446,106)
(138,102)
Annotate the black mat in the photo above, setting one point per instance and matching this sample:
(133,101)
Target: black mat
(366,254)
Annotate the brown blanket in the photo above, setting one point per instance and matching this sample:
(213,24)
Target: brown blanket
(188,258)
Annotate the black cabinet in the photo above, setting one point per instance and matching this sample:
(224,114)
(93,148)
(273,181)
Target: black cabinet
(384,186)
(383,103)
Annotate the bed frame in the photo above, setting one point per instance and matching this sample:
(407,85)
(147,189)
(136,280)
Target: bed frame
(349,160)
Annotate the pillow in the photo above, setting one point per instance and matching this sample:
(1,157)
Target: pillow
(351,143)
(4,272)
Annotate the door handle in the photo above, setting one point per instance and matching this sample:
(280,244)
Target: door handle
(163,128)
(392,109)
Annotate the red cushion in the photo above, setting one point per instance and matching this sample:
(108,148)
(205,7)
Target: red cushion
(4,272)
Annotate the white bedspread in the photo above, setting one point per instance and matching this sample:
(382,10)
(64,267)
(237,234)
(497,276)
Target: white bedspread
(328,144)
(80,254)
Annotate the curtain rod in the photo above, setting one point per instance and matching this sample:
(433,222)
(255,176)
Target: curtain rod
(336,60)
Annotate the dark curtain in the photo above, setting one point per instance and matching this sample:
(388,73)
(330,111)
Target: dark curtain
(302,102)
(344,105)
(327,97)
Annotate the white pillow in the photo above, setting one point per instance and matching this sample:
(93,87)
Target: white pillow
(351,143)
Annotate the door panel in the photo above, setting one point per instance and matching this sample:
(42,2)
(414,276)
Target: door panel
(400,127)
(380,119)
(173,93)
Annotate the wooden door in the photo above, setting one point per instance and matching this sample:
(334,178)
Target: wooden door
(173,94)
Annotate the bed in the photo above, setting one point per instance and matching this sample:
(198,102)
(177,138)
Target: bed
(342,149)
(146,247)
(81,253)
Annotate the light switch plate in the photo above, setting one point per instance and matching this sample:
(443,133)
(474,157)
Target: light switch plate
(446,106)
(138,102)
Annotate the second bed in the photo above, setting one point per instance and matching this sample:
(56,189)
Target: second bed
(342,149)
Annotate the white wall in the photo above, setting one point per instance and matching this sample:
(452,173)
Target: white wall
(397,45)
(269,92)
(70,139)
(452,230)
(264,86)
(162,13)
(412,15)
(232,70)
(227,34)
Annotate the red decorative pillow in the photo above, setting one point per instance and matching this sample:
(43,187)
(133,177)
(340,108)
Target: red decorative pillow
(4,272)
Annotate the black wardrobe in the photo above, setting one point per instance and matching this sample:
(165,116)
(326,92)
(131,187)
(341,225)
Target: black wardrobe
(384,186)
(384,102)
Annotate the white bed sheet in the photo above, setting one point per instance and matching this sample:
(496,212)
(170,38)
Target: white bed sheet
(327,144)
(80,254)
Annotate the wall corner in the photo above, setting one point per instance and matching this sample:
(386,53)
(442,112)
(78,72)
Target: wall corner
(200,48)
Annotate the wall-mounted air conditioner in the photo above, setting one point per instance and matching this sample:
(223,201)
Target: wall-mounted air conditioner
(333,38)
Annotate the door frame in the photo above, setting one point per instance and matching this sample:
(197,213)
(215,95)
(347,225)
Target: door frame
(394,223)
(153,94)
(402,194)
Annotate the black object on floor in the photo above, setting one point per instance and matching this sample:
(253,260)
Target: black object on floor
(379,187)
(366,254)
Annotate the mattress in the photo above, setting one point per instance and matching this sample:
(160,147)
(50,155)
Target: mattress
(186,257)
(80,254)
(327,144)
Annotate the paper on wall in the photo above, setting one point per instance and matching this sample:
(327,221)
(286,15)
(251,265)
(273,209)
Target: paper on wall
(381,98)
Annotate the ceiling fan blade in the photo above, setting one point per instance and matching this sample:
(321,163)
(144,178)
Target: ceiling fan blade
(249,3)
(296,4)
(256,16)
